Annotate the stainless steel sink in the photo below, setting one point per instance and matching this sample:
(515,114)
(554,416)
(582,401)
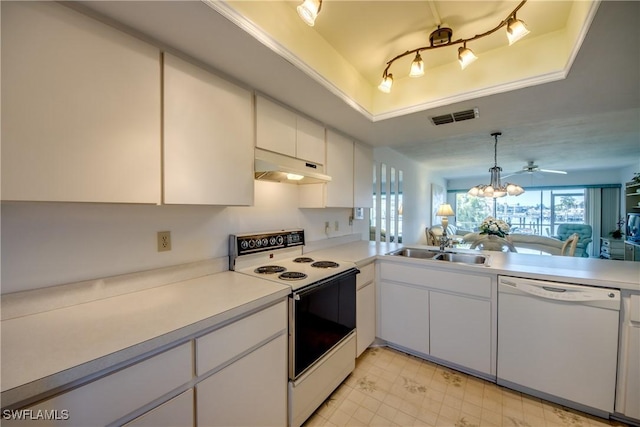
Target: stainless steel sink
(463,258)
(436,255)
(415,253)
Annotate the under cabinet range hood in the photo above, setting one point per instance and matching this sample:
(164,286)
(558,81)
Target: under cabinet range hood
(270,166)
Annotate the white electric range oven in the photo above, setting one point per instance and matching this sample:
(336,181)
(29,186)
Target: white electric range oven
(322,312)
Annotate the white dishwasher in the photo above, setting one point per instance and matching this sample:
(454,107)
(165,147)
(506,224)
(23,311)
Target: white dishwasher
(559,342)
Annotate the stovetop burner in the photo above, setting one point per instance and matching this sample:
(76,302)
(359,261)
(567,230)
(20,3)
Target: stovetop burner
(292,275)
(270,269)
(325,264)
(303,259)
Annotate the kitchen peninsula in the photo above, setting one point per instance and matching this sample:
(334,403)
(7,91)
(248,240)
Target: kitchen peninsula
(67,335)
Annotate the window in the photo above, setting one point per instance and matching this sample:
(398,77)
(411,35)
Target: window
(537,212)
(386,216)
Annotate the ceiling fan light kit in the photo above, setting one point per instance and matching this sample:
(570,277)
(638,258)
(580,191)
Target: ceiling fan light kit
(441,37)
(495,188)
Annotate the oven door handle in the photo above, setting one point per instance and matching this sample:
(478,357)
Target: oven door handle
(314,286)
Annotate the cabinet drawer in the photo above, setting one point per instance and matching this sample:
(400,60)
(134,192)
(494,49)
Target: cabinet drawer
(221,345)
(112,397)
(467,284)
(367,274)
(178,411)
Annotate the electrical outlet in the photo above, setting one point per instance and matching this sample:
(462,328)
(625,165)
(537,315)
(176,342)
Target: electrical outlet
(164,241)
(336,225)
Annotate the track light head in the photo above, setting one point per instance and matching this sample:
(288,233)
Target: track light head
(309,10)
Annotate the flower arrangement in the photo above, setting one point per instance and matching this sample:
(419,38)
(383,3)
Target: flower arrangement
(494,226)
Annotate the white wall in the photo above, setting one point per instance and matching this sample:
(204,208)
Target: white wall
(417,193)
(45,244)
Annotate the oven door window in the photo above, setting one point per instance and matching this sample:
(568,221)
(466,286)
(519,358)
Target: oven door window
(323,316)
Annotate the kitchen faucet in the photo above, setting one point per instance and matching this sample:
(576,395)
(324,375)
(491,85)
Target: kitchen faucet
(444,241)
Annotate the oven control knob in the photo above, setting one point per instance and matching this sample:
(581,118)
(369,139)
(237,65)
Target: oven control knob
(265,242)
(244,244)
(272,241)
(258,242)
(252,243)
(280,240)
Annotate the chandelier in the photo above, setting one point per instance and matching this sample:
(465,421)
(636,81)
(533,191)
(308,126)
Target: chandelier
(495,188)
(441,37)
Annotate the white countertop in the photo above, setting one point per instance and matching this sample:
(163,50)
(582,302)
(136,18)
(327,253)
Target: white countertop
(46,350)
(585,271)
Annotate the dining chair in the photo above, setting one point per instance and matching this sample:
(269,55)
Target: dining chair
(569,246)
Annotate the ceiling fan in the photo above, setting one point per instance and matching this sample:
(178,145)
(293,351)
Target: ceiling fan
(531,168)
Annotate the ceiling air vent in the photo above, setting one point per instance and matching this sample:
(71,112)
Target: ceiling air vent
(455,117)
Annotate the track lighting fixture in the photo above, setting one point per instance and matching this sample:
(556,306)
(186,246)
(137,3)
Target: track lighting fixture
(309,10)
(441,37)
(495,188)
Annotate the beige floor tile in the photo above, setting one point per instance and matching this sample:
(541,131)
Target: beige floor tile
(403,419)
(427,416)
(340,418)
(471,409)
(371,403)
(363,415)
(387,411)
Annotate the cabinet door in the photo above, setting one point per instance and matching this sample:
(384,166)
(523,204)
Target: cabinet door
(80,109)
(310,143)
(339,192)
(363,176)
(275,127)
(252,391)
(404,316)
(177,412)
(461,330)
(365,317)
(208,138)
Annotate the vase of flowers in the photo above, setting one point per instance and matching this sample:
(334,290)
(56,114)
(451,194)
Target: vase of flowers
(494,227)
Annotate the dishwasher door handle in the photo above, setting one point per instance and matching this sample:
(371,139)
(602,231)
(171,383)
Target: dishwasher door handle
(551,289)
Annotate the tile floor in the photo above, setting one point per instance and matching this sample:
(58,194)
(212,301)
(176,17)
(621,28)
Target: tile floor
(391,388)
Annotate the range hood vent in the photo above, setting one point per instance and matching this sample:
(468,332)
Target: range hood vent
(270,166)
(455,117)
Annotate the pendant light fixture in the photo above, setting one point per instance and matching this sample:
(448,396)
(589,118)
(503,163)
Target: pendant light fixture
(309,10)
(441,37)
(495,188)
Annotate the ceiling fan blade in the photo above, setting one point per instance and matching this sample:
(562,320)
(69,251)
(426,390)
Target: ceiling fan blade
(553,171)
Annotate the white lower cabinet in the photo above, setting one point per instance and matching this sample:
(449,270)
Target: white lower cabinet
(110,398)
(447,315)
(460,330)
(628,383)
(365,308)
(251,391)
(404,316)
(177,412)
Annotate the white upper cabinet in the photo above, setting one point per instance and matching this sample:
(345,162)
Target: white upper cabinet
(208,137)
(340,168)
(275,127)
(283,131)
(81,109)
(310,143)
(339,192)
(362,176)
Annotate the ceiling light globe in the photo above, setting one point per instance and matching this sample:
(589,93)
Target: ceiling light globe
(499,193)
(466,57)
(488,191)
(473,191)
(516,29)
(308,11)
(387,82)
